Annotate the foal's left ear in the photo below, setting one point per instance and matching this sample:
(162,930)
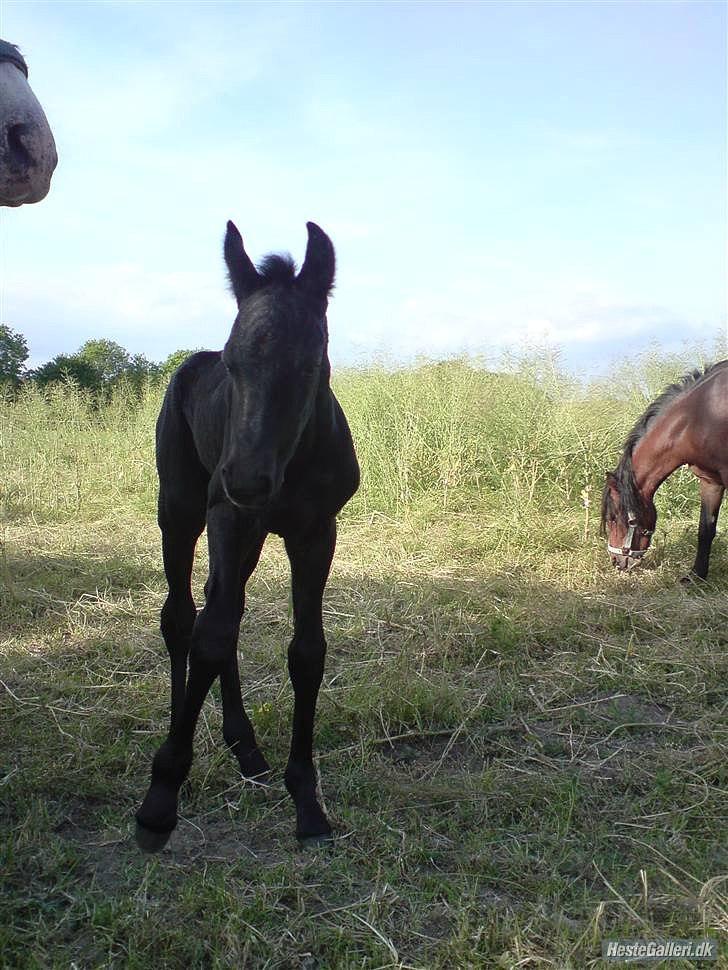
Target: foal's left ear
(243,275)
(319,264)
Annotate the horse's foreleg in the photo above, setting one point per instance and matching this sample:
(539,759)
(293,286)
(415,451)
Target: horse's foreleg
(236,727)
(310,557)
(213,643)
(180,531)
(711,496)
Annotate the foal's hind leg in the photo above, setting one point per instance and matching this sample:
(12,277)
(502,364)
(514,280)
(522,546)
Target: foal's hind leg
(711,495)
(236,727)
(310,558)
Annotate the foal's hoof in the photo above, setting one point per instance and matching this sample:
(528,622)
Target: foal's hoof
(313,828)
(253,765)
(315,841)
(149,841)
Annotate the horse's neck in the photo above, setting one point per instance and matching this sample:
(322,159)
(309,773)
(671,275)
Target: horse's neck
(659,452)
(320,423)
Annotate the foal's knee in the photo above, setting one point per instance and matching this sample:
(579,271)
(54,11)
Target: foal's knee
(177,619)
(306,654)
(213,643)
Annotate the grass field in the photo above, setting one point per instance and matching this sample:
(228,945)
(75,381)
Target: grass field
(522,751)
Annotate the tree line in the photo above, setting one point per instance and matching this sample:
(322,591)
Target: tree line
(97,365)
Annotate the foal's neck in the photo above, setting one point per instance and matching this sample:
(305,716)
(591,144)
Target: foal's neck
(660,450)
(320,417)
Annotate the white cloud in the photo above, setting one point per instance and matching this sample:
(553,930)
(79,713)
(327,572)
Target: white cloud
(147,312)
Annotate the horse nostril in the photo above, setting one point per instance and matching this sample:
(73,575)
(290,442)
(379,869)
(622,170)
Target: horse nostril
(18,136)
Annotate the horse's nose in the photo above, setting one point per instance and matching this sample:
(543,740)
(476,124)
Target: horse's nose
(252,491)
(28,154)
(27,147)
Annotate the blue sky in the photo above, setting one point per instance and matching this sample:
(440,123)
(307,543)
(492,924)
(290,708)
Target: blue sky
(493,175)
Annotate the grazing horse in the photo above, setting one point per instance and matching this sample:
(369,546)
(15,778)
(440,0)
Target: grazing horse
(686,425)
(250,440)
(27,149)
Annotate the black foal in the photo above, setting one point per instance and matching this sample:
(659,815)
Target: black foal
(250,440)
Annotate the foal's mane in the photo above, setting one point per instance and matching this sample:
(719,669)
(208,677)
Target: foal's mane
(277,268)
(631,500)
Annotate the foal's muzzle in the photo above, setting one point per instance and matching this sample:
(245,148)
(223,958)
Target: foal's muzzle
(252,493)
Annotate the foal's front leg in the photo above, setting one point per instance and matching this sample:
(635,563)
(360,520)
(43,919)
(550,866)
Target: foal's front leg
(214,641)
(310,557)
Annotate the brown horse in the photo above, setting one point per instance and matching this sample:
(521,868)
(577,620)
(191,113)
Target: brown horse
(686,425)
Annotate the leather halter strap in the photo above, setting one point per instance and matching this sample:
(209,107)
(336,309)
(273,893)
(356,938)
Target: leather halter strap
(9,52)
(626,548)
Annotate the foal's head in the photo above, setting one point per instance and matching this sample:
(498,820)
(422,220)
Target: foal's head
(276,357)
(628,520)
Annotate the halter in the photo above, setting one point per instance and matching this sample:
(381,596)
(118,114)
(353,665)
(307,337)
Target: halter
(9,52)
(626,550)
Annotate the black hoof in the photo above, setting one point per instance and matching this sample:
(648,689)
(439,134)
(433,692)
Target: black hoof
(149,841)
(315,841)
(253,765)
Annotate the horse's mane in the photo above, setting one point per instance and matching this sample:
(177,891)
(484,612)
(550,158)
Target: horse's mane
(277,268)
(623,475)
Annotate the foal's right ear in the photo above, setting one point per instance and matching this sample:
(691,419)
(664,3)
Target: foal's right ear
(243,275)
(319,264)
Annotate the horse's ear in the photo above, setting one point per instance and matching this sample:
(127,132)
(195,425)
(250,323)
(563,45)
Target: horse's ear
(612,486)
(243,275)
(319,264)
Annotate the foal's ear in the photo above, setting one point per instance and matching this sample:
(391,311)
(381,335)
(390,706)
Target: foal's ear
(319,264)
(243,275)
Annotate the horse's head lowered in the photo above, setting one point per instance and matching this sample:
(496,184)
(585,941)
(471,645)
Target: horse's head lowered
(628,521)
(27,149)
(276,357)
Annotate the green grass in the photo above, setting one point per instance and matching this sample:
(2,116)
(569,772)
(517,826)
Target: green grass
(522,751)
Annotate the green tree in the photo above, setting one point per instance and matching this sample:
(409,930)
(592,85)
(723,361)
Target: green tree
(68,368)
(13,355)
(114,363)
(170,365)
(107,358)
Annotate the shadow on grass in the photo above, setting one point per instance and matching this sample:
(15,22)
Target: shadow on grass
(485,742)
(38,588)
